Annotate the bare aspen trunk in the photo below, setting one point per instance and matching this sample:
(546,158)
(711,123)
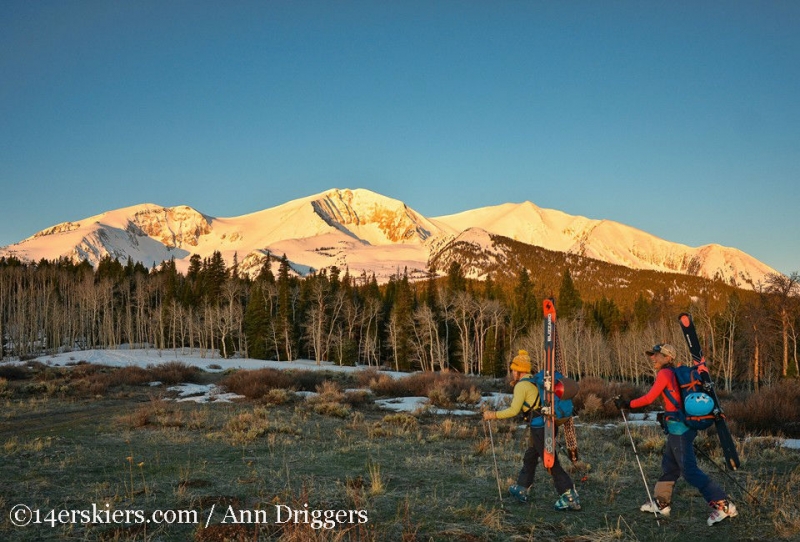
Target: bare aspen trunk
(756,362)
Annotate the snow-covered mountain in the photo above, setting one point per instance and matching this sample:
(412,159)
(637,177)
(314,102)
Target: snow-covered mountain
(366,232)
(610,242)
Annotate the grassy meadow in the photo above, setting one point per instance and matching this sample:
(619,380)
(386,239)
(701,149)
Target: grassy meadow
(90,436)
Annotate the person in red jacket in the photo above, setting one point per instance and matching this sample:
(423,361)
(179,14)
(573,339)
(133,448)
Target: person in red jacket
(679,458)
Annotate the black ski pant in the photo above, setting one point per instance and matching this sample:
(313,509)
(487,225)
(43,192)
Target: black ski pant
(535,450)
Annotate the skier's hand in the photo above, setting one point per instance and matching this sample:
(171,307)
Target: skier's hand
(489,415)
(621,403)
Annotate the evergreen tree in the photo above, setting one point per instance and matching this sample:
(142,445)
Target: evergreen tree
(401,297)
(524,309)
(213,276)
(256,323)
(286,318)
(569,302)
(265,273)
(642,312)
(606,316)
(456,281)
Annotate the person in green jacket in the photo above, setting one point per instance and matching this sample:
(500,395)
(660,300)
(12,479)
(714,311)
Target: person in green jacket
(526,400)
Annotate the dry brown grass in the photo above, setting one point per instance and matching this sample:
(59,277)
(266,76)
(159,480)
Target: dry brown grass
(329,401)
(155,413)
(90,380)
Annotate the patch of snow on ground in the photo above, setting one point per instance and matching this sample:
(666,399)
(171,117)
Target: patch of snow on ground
(203,393)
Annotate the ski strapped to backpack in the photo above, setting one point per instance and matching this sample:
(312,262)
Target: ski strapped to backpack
(723,432)
(546,391)
(555,392)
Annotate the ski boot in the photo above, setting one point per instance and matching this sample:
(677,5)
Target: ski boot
(721,510)
(568,501)
(518,492)
(656,507)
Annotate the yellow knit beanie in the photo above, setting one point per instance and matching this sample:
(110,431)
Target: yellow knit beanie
(521,362)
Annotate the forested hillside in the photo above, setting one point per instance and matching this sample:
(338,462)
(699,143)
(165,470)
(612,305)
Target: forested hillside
(608,314)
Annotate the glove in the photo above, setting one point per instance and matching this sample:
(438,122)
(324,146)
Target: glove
(621,403)
(489,415)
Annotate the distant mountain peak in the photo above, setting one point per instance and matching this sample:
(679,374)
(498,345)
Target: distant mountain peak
(356,210)
(371,233)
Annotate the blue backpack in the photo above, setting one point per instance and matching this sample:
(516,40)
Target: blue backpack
(697,408)
(562,407)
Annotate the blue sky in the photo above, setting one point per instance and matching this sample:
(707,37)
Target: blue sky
(678,118)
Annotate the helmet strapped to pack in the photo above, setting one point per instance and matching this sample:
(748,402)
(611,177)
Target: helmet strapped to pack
(697,408)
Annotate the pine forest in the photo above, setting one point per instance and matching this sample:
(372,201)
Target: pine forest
(443,323)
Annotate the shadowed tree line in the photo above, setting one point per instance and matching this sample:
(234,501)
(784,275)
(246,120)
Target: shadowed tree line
(446,322)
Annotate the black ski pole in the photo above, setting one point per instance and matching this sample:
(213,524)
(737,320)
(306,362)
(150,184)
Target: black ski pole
(726,473)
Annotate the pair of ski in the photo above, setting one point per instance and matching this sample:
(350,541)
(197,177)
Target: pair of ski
(723,432)
(553,361)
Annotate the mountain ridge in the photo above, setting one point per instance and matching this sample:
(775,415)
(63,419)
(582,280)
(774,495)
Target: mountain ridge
(367,232)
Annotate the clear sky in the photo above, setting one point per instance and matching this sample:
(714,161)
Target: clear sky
(678,118)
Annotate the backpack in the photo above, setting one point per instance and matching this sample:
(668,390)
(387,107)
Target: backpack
(696,408)
(563,405)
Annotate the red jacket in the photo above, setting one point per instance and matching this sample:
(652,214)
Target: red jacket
(665,383)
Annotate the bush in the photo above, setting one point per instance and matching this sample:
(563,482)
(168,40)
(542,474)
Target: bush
(772,410)
(311,380)
(329,400)
(442,388)
(257,383)
(278,396)
(174,372)
(594,401)
(14,372)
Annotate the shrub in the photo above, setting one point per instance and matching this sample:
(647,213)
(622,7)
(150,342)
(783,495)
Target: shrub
(471,396)
(247,426)
(442,388)
(337,410)
(384,385)
(311,380)
(592,408)
(771,410)
(278,396)
(174,372)
(257,383)
(14,372)
(356,398)
(595,398)
(156,412)
(329,400)
(438,396)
